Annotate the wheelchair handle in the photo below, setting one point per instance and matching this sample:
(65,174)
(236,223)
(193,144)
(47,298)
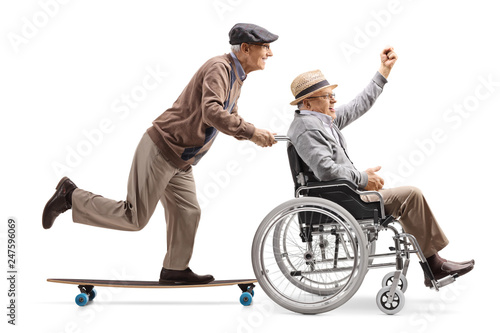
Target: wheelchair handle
(282,138)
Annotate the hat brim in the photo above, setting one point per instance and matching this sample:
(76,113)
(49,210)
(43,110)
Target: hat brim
(300,99)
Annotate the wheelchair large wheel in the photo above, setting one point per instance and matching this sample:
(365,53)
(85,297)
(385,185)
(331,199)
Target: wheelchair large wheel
(309,255)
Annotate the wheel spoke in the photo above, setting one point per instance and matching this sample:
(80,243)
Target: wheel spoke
(301,267)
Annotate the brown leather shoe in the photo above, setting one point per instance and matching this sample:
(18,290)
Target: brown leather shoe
(449,268)
(170,276)
(58,203)
(454,262)
(472,262)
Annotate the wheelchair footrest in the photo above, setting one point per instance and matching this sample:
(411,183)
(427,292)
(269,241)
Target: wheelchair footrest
(427,270)
(446,281)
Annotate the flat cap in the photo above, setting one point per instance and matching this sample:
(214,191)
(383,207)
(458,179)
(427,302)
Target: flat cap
(250,33)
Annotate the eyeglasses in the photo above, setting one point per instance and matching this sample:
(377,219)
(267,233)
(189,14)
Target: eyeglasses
(327,96)
(267,47)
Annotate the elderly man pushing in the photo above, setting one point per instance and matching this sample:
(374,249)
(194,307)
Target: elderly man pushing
(179,138)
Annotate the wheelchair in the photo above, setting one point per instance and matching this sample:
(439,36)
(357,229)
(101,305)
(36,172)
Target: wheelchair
(311,254)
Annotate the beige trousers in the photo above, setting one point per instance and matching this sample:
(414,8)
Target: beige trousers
(152,178)
(409,205)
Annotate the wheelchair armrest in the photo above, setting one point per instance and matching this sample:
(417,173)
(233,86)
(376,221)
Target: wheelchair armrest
(346,182)
(328,184)
(347,195)
(335,182)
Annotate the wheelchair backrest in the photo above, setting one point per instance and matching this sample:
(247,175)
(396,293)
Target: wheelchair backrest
(301,173)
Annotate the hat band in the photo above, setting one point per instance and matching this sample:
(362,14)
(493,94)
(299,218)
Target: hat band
(312,88)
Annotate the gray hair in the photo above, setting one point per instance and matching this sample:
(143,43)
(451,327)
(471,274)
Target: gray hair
(236,48)
(300,105)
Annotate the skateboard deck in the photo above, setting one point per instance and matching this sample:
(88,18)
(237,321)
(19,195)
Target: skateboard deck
(88,292)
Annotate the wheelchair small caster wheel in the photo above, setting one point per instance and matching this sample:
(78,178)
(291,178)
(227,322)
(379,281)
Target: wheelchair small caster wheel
(389,278)
(93,294)
(246,298)
(81,299)
(390,308)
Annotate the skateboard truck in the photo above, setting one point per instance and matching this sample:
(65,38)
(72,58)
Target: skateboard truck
(246,287)
(86,289)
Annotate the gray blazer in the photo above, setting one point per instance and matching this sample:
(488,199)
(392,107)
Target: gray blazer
(326,157)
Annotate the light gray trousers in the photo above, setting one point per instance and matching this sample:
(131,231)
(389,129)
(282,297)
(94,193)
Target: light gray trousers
(152,178)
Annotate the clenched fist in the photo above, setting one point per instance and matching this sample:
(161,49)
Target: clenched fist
(387,60)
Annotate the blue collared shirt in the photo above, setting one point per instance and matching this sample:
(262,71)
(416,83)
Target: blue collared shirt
(239,68)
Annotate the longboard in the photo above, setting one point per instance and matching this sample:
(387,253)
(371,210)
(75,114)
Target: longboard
(88,292)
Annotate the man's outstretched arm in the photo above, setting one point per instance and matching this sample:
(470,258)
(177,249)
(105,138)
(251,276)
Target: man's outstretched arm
(349,112)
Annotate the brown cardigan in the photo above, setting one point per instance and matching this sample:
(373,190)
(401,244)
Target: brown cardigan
(186,131)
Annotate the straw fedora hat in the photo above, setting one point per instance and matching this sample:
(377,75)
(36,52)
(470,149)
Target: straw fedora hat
(307,84)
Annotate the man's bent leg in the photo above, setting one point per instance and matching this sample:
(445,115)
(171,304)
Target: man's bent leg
(149,176)
(408,203)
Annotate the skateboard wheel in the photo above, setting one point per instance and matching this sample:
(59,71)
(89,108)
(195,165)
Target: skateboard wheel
(81,299)
(252,292)
(246,298)
(93,294)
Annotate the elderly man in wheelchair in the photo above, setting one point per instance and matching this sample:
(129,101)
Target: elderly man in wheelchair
(310,254)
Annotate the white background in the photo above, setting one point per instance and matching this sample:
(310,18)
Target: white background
(67,66)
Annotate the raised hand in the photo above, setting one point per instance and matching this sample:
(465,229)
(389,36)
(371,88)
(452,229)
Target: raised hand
(387,60)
